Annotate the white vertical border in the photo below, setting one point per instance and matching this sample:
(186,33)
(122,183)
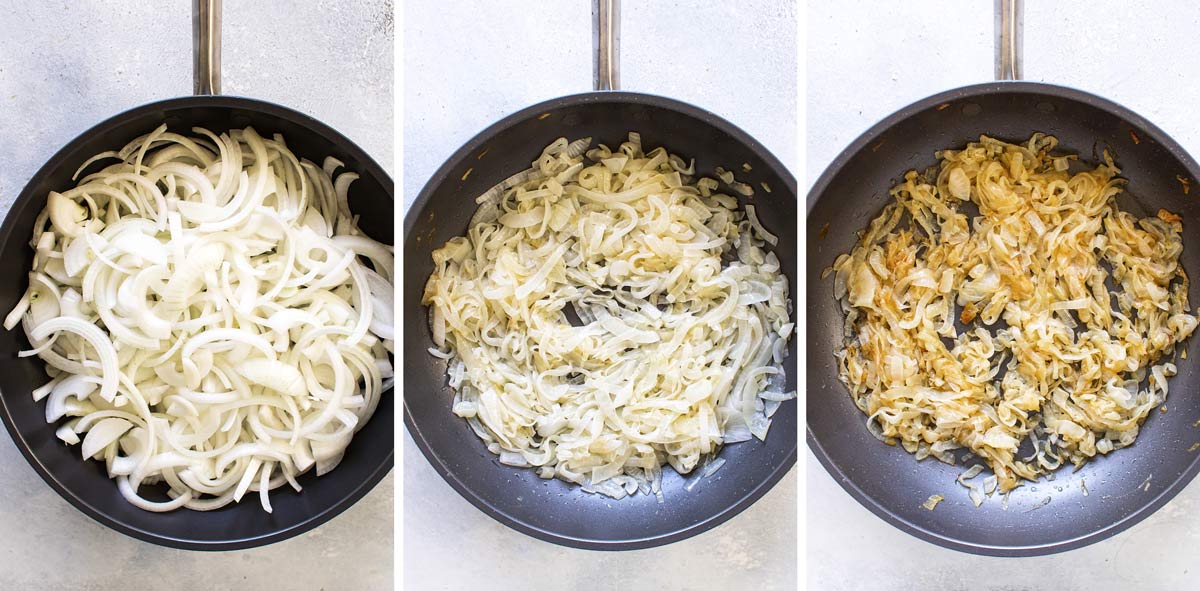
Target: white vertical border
(398,217)
(802,289)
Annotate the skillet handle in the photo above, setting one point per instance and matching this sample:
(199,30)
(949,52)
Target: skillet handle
(1009,31)
(606,44)
(206,47)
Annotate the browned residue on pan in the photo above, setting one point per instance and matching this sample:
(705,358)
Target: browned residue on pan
(467,174)
(1163,409)
(1186,182)
(943,106)
(1134,137)
(823,232)
(876,147)
(481,154)
(543,116)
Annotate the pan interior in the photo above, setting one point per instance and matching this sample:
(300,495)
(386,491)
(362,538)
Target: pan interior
(552,509)
(1042,517)
(85,484)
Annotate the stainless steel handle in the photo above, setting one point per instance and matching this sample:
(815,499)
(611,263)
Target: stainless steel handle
(606,43)
(206,46)
(1009,31)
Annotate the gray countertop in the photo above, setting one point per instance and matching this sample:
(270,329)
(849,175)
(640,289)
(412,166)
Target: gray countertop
(736,59)
(67,65)
(868,59)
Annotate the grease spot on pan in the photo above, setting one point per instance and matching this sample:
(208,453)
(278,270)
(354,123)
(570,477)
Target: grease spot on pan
(971,109)
(1046,107)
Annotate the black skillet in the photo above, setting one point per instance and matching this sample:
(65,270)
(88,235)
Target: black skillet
(551,509)
(84,484)
(1122,488)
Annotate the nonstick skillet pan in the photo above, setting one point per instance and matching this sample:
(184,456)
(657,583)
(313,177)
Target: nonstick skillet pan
(84,484)
(551,509)
(1045,517)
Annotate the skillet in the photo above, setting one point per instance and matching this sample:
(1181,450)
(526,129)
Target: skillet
(553,510)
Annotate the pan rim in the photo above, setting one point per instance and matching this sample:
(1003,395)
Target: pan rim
(818,190)
(413,214)
(8,232)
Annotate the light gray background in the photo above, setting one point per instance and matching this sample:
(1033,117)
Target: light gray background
(868,59)
(67,65)
(469,63)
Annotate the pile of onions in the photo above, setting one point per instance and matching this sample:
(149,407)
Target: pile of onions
(210,315)
(1049,317)
(680,328)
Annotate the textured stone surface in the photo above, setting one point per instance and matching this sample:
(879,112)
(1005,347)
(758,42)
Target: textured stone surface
(736,59)
(68,65)
(868,59)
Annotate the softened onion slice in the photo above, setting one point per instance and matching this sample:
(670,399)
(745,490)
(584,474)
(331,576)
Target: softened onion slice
(1072,309)
(190,335)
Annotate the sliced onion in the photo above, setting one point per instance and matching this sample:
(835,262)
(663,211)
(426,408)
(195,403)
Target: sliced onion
(1092,301)
(683,318)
